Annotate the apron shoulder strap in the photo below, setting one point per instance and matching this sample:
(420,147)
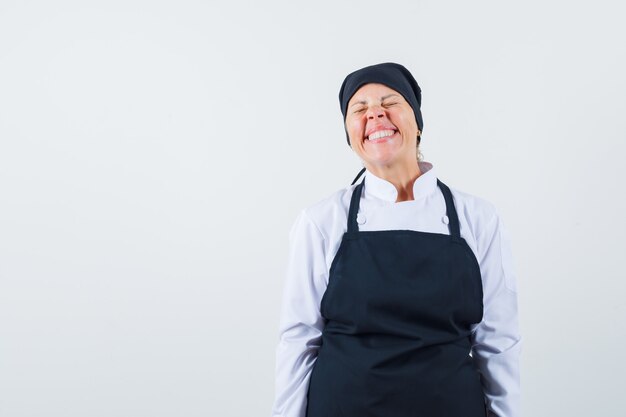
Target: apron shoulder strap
(453,218)
(353,227)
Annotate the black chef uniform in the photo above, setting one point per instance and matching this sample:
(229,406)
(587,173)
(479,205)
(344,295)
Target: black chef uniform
(398,309)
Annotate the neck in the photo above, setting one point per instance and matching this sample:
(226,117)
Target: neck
(402,176)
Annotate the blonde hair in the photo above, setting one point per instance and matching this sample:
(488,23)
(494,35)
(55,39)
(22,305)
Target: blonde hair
(418,152)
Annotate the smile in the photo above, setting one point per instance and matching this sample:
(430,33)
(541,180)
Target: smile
(380,136)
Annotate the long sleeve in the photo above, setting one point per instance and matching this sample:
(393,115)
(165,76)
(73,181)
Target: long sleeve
(496,340)
(301,323)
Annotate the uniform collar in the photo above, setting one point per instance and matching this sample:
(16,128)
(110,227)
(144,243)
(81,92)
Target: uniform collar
(378,187)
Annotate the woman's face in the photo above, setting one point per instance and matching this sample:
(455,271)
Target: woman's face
(381,125)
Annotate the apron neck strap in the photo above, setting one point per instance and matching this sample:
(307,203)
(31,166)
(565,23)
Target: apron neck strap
(353,227)
(453,218)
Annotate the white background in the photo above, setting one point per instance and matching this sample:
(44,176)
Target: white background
(153,156)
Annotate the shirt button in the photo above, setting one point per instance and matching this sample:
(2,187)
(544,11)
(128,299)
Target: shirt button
(360,218)
(445,219)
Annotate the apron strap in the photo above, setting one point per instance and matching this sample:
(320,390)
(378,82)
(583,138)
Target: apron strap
(358,175)
(353,227)
(453,218)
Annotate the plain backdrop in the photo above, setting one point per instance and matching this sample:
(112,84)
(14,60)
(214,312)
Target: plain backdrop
(153,156)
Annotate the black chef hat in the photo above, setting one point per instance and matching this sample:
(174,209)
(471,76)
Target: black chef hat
(394,76)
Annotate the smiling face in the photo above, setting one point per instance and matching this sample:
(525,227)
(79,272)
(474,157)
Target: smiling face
(381,126)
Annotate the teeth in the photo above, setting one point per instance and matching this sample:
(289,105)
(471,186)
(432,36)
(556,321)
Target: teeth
(381,134)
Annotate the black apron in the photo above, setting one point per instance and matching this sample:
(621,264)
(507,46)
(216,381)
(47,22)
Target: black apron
(398,309)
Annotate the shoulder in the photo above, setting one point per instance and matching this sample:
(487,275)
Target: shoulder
(331,212)
(475,211)
(491,242)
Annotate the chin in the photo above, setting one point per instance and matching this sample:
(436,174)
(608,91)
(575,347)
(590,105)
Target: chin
(382,160)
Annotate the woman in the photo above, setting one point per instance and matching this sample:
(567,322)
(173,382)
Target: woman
(400,297)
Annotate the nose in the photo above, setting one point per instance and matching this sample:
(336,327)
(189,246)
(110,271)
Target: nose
(375,112)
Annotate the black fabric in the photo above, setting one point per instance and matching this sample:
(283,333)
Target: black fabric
(358,175)
(398,312)
(392,75)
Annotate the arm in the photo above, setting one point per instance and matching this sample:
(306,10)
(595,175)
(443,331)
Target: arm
(301,323)
(496,340)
